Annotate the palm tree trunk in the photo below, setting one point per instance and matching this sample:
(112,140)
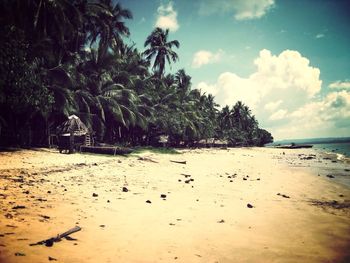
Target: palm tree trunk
(37,14)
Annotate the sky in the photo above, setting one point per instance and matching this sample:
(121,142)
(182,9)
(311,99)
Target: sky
(288,60)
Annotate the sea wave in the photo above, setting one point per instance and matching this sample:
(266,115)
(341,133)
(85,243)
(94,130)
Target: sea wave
(336,156)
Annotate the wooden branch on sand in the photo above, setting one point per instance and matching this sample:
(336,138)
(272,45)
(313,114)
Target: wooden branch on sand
(181,162)
(147,159)
(49,242)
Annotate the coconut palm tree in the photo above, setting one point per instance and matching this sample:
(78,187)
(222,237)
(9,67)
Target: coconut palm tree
(160,49)
(106,26)
(183,81)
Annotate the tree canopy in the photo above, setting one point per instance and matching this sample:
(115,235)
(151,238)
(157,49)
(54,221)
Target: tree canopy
(61,57)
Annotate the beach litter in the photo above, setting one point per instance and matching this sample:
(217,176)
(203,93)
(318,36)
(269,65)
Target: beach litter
(283,195)
(147,159)
(180,162)
(50,241)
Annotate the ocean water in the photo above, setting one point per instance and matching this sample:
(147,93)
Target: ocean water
(341,149)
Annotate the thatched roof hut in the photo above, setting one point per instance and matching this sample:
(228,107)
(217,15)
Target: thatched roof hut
(72,126)
(72,134)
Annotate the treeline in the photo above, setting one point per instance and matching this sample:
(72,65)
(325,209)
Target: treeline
(63,57)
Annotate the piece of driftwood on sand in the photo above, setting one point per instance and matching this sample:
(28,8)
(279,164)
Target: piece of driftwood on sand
(50,241)
(147,159)
(180,162)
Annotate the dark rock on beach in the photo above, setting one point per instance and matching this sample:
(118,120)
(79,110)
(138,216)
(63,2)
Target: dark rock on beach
(18,207)
(249,205)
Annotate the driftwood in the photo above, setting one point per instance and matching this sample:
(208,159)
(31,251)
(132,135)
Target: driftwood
(49,242)
(181,162)
(147,159)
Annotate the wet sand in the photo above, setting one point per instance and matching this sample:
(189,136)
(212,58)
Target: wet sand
(235,205)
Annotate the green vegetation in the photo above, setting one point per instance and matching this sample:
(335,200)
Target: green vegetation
(61,57)
(162,150)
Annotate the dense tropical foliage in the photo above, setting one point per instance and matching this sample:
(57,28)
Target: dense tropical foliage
(63,57)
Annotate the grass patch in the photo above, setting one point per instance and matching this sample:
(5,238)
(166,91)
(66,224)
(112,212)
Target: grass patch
(160,150)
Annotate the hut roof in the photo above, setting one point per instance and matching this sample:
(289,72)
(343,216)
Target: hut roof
(72,125)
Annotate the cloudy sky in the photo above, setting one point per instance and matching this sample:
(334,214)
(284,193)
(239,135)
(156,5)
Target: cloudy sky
(288,60)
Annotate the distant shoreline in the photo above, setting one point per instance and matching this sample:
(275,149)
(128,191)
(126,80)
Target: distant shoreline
(313,140)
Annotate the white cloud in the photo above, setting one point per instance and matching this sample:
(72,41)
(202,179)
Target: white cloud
(204,57)
(167,17)
(340,85)
(282,92)
(271,106)
(278,115)
(231,88)
(289,71)
(252,9)
(205,88)
(328,116)
(320,35)
(241,9)
(277,78)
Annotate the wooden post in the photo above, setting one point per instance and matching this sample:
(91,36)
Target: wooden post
(71,142)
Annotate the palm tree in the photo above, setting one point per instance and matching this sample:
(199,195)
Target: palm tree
(183,82)
(160,49)
(105,25)
(49,26)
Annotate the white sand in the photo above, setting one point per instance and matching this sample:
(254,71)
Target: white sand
(205,220)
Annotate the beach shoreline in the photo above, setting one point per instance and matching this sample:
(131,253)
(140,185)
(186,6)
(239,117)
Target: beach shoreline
(222,205)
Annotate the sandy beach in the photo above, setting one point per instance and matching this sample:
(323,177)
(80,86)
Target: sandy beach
(223,205)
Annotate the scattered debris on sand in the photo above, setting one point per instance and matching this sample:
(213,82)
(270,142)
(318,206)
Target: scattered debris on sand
(334,204)
(180,162)
(50,241)
(147,159)
(283,195)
